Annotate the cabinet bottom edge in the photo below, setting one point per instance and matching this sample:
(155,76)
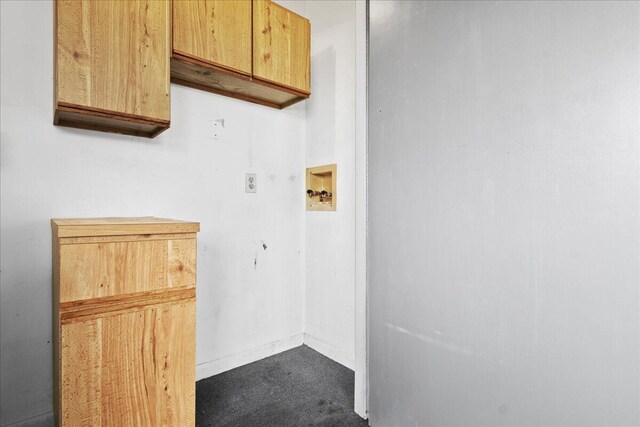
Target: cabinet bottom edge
(88,119)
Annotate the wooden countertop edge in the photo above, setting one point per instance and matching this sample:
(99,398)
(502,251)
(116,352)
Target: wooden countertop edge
(121,227)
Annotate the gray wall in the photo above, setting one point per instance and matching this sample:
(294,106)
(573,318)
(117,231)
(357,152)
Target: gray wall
(504,216)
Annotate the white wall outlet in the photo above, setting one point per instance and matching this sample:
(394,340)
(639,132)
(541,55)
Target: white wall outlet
(250,183)
(218,128)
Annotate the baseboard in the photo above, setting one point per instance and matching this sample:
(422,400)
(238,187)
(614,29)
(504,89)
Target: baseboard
(42,420)
(330,351)
(214,367)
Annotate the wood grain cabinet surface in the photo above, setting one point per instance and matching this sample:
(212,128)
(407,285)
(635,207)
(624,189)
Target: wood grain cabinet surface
(254,50)
(124,321)
(216,32)
(281,45)
(112,70)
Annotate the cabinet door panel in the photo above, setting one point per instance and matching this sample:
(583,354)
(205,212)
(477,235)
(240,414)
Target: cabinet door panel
(214,31)
(81,379)
(94,270)
(113,55)
(136,368)
(281,46)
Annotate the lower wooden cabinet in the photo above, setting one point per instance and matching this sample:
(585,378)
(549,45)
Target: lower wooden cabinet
(124,322)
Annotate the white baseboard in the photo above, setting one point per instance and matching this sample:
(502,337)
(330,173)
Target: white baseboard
(42,420)
(330,351)
(214,367)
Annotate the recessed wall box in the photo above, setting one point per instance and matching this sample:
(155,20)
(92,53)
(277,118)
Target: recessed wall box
(322,188)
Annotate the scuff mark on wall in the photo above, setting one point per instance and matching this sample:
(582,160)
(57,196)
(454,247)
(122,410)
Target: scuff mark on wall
(447,345)
(433,341)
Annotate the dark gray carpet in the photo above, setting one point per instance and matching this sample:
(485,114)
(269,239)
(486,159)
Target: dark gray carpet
(299,387)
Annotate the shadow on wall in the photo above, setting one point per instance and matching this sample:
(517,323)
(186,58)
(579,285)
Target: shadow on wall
(26,320)
(321,131)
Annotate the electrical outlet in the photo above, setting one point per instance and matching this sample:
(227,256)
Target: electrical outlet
(250,183)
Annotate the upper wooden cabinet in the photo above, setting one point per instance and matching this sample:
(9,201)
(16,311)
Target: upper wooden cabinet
(216,32)
(281,45)
(112,65)
(257,50)
(115,59)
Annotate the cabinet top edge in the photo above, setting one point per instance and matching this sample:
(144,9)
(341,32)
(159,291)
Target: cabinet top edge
(81,227)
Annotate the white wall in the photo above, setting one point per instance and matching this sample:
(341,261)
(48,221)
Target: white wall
(504,240)
(248,298)
(330,138)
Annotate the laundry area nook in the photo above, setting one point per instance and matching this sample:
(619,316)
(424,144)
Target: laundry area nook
(327,213)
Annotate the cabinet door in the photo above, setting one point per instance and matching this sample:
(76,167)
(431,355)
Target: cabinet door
(130,369)
(217,32)
(120,267)
(113,56)
(281,46)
